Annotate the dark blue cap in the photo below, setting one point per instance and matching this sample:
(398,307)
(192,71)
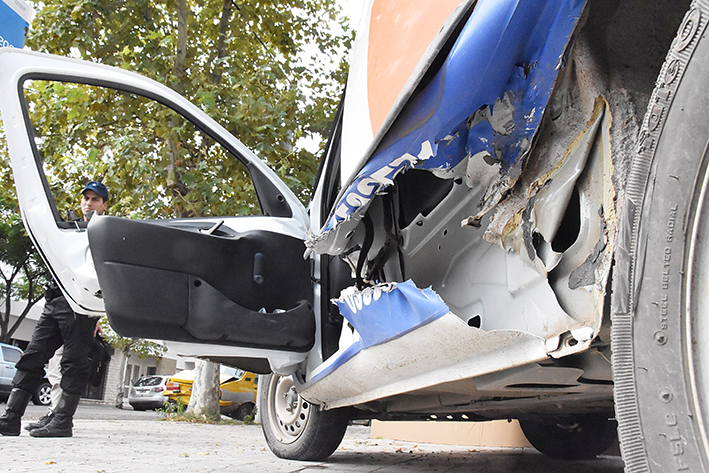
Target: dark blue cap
(97,187)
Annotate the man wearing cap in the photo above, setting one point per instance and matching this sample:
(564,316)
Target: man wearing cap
(58,325)
(94,198)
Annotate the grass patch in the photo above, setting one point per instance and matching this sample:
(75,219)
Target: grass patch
(250,419)
(197,419)
(177,412)
(173,408)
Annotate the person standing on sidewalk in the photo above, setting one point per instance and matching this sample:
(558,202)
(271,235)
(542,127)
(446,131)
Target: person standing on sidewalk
(54,376)
(98,358)
(58,325)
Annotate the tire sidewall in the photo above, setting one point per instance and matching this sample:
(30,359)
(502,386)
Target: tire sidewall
(659,427)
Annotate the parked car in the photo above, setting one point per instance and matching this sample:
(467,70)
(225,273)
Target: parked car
(9,355)
(148,393)
(237,390)
(501,231)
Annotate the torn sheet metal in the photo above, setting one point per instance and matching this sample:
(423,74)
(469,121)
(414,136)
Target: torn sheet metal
(444,350)
(553,198)
(489,96)
(382,313)
(578,269)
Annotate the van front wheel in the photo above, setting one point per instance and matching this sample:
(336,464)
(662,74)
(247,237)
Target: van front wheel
(296,429)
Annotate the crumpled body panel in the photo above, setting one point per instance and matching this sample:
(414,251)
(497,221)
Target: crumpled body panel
(487,99)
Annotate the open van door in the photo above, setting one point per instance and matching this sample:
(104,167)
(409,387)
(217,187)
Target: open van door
(234,289)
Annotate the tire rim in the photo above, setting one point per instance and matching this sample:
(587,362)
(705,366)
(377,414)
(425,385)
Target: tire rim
(45,395)
(696,298)
(288,413)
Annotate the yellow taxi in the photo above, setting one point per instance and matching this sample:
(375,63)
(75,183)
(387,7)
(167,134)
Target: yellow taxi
(237,390)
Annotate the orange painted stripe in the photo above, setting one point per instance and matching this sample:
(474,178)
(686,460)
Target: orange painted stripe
(399,33)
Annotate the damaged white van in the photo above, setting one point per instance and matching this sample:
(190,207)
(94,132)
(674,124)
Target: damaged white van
(498,231)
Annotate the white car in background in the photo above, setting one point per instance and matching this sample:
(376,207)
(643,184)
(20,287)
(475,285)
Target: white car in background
(9,355)
(149,393)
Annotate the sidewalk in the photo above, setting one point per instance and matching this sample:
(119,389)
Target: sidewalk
(117,446)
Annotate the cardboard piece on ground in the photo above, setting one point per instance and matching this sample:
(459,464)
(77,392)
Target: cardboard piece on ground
(498,433)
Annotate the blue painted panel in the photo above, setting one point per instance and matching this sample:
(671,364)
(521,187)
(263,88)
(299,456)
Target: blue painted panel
(13,27)
(388,311)
(504,64)
(384,313)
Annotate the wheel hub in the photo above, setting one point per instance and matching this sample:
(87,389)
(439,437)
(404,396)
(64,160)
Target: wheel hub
(291,399)
(289,413)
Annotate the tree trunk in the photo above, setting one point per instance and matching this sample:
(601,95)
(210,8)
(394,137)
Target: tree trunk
(174,178)
(181,56)
(122,379)
(221,40)
(205,390)
(205,387)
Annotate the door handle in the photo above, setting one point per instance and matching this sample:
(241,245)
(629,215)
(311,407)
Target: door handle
(258,268)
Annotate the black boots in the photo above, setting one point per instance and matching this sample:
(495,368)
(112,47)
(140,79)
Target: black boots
(60,424)
(41,422)
(16,404)
(57,424)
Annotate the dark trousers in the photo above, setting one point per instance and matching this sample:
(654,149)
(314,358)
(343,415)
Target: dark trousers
(58,325)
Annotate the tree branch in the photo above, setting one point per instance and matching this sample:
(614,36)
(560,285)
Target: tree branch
(23,315)
(221,39)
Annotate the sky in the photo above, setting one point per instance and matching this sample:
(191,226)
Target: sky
(353,9)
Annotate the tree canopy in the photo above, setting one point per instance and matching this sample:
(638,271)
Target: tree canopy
(270,72)
(22,272)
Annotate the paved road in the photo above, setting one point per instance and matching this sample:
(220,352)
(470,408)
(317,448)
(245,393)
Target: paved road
(108,440)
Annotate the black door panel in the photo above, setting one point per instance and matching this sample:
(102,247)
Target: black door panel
(249,288)
(214,317)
